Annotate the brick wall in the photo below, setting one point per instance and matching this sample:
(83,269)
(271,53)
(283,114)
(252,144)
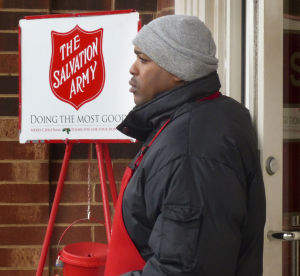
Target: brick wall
(24,169)
(29,173)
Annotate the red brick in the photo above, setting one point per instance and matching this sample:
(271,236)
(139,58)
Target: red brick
(79,151)
(119,168)
(19,257)
(74,234)
(9,106)
(16,151)
(73,193)
(9,63)
(56,270)
(9,42)
(28,4)
(98,194)
(76,171)
(22,235)
(9,128)
(81,5)
(23,214)
(10,20)
(70,213)
(100,234)
(146,18)
(24,193)
(9,84)
(35,172)
(139,5)
(124,151)
(5,171)
(21,272)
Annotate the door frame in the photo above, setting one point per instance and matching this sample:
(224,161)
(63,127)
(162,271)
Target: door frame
(269,120)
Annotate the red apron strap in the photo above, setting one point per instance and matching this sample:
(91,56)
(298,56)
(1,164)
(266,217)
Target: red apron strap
(123,255)
(145,148)
(211,97)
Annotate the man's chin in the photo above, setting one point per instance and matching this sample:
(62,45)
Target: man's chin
(137,100)
(137,103)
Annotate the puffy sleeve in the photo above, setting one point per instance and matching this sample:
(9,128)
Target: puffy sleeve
(198,229)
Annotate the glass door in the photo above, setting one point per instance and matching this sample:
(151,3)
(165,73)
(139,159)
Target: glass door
(276,71)
(291,134)
(273,97)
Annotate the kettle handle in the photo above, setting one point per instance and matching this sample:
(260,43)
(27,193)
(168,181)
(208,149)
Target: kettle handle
(74,222)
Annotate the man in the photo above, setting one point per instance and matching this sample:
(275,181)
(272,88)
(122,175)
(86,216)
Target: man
(192,201)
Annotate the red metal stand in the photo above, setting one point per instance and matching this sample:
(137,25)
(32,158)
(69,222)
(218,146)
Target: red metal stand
(99,150)
(111,178)
(103,157)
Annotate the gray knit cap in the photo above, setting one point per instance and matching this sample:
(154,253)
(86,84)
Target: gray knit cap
(180,44)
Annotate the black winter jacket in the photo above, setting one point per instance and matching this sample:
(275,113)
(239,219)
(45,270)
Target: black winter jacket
(196,204)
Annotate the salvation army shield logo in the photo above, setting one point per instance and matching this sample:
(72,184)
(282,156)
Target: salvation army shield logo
(77,73)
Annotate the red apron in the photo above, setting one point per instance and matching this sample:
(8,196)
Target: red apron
(123,256)
(122,253)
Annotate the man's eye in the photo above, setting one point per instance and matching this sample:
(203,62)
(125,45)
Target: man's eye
(142,60)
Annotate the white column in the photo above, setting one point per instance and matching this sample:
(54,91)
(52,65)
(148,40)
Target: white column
(251,59)
(233,55)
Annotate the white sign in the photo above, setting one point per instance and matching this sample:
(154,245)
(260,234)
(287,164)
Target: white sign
(74,76)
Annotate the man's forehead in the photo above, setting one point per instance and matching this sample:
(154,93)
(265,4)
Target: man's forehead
(138,51)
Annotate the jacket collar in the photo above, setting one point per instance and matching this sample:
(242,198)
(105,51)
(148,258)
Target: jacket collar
(143,119)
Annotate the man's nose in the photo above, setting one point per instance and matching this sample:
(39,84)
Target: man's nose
(133,69)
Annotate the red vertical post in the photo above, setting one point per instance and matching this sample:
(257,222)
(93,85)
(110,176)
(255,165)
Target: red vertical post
(54,208)
(99,150)
(111,178)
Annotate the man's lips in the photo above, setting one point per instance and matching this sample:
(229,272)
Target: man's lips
(132,86)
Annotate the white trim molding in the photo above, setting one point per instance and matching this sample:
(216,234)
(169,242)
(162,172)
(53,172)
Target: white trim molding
(223,18)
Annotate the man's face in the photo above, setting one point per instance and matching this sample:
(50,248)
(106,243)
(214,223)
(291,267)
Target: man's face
(148,79)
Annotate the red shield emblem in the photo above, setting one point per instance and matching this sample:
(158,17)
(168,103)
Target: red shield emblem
(77,72)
